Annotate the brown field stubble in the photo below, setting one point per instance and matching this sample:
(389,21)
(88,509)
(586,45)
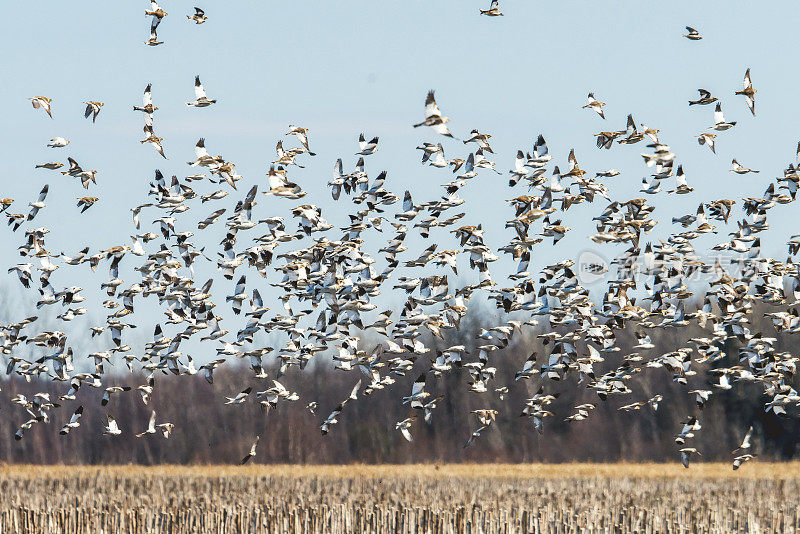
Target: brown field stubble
(623,498)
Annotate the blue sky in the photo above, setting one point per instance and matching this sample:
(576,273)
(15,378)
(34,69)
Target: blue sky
(345,68)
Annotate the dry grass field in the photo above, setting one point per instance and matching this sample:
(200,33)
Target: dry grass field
(409,498)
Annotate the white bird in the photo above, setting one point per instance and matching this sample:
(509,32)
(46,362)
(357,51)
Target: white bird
(493,11)
(739,460)
(92,109)
(42,102)
(39,204)
(367,147)
(593,104)
(724,382)
(112,428)
(701,396)
(199,16)
(153,140)
(690,426)
(302,136)
(707,139)
(251,453)
(748,92)
(112,390)
(745,446)
(238,296)
(147,106)
(739,169)
(475,435)
(528,368)
(404,427)
(686,454)
(332,419)
(417,392)
(240,398)
(166,429)
(73,421)
(720,124)
(201,100)
(58,142)
(644,341)
(151,425)
(434,117)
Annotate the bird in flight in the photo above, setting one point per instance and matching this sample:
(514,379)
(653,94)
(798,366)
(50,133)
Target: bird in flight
(92,109)
(112,428)
(720,124)
(335,285)
(704,100)
(494,10)
(42,102)
(692,34)
(748,92)
(594,105)
(147,106)
(153,139)
(433,117)
(157,13)
(153,40)
(251,453)
(739,169)
(198,17)
(201,100)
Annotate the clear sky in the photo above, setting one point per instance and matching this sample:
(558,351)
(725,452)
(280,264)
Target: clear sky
(342,68)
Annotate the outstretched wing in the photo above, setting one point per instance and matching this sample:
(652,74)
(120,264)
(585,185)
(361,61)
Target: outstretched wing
(199,92)
(431,109)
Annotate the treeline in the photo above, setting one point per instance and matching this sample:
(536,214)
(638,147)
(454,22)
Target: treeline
(208,431)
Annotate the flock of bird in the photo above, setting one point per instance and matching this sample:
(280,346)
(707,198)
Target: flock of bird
(329,283)
(157,14)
